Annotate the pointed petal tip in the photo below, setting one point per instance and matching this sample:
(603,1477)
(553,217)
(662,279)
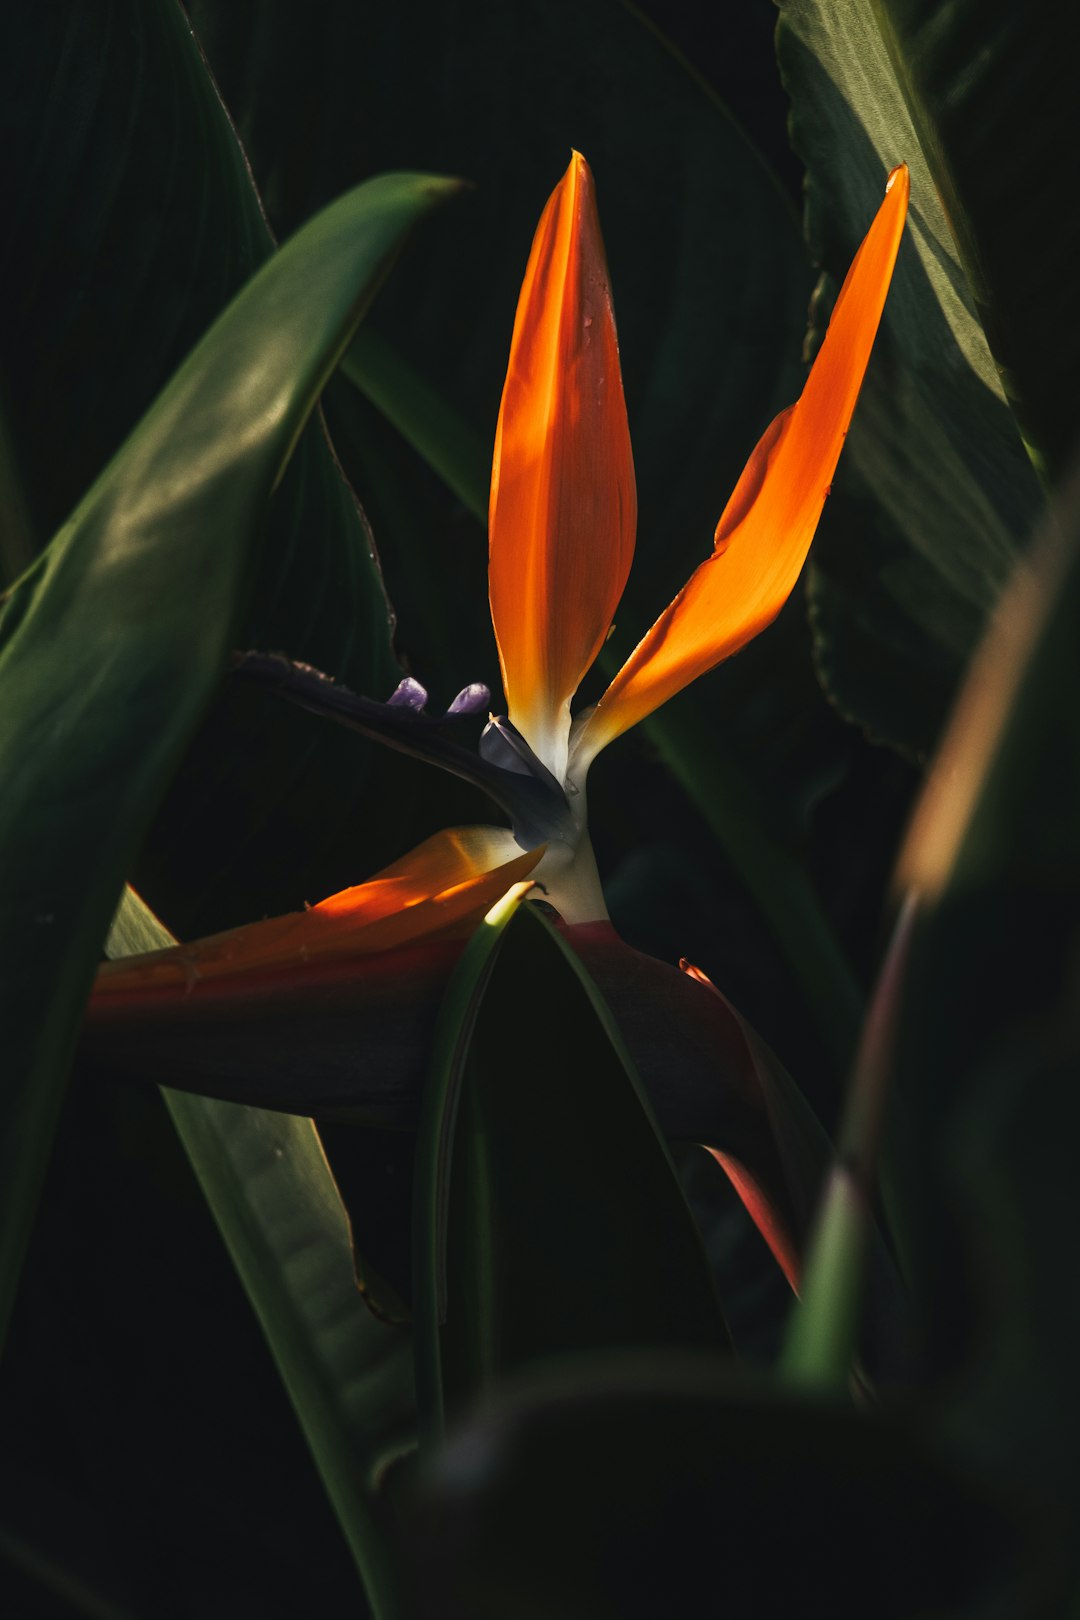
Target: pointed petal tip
(765,531)
(900,176)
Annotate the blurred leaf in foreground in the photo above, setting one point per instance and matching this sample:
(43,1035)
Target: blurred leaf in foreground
(987,1105)
(632,1486)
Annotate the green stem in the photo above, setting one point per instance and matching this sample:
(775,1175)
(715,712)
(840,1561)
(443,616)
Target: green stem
(422,417)
(823,1335)
(776,879)
(434,1155)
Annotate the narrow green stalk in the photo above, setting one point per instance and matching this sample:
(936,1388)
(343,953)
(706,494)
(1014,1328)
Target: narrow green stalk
(422,417)
(776,879)
(434,1153)
(823,1334)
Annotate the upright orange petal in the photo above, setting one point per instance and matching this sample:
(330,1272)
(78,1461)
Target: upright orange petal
(448,881)
(765,532)
(563,498)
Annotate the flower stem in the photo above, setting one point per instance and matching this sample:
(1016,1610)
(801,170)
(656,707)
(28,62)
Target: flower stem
(775,878)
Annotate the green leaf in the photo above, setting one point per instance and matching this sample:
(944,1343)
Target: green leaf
(113,643)
(131,221)
(565,1225)
(130,230)
(1005,185)
(435,1150)
(824,1330)
(421,415)
(986,1110)
(274,1199)
(933,437)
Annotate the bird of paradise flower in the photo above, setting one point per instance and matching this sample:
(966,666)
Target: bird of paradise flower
(562,530)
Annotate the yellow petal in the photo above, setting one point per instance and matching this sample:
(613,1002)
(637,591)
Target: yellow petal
(446,883)
(563,498)
(765,532)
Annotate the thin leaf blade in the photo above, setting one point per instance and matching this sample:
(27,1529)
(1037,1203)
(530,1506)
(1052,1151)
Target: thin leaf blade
(348,1375)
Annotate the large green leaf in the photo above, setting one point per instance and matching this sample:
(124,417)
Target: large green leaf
(933,437)
(131,219)
(349,1376)
(556,1216)
(113,643)
(1004,186)
(987,1106)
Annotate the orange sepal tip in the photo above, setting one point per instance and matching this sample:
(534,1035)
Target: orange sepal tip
(766,528)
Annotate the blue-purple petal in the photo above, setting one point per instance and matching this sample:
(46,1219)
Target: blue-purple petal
(408,694)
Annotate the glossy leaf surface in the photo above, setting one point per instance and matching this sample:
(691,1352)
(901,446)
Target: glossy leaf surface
(143,588)
(131,221)
(1002,170)
(934,440)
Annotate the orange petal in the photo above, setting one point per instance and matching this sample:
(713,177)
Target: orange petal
(765,532)
(563,498)
(446,883)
